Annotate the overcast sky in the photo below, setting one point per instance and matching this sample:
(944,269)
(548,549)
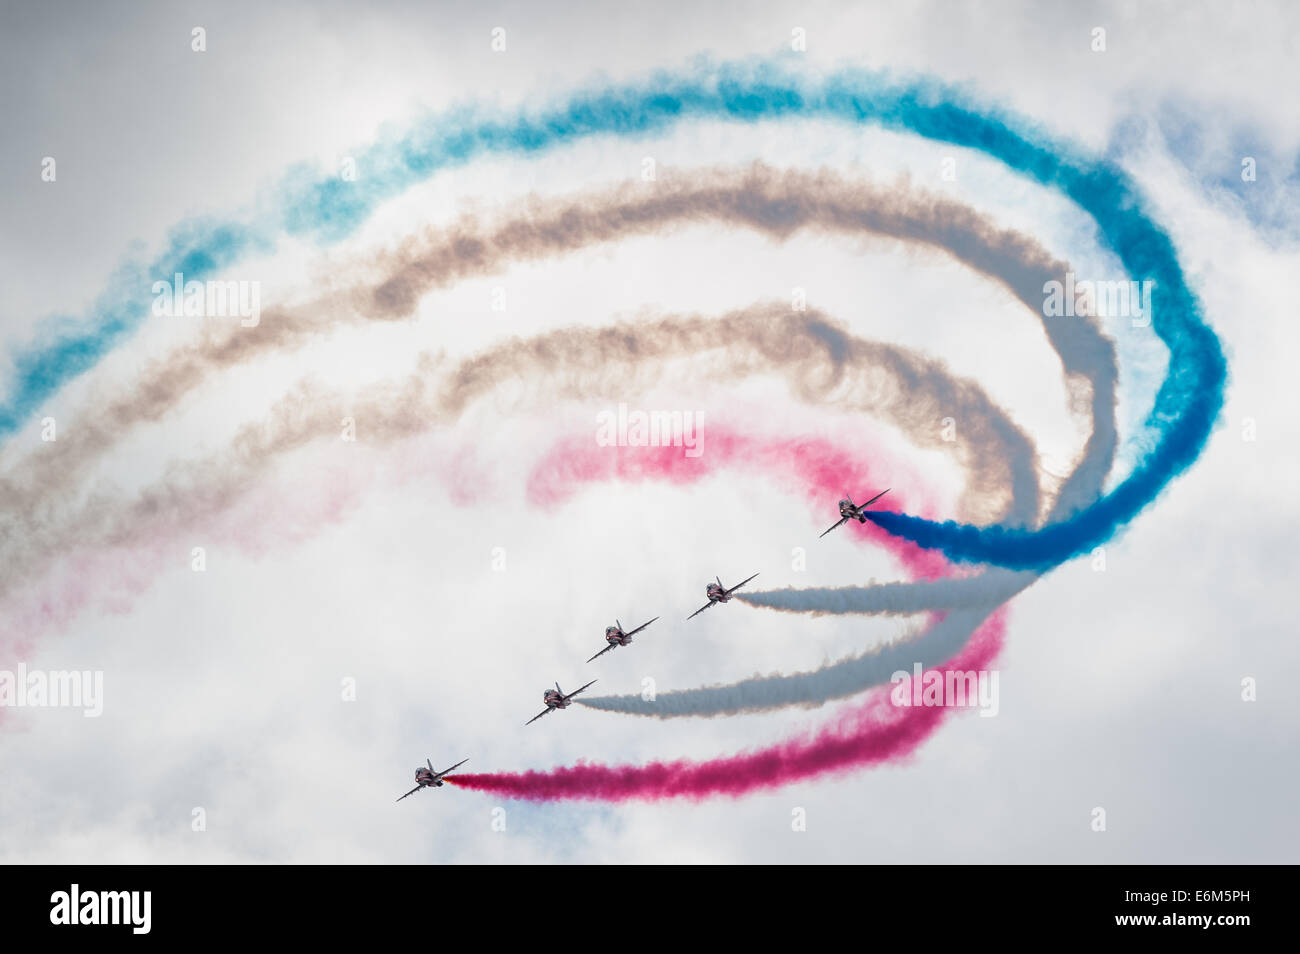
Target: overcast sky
(1120,689)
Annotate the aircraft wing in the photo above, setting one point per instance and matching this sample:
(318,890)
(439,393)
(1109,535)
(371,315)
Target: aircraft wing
(639,628)
(873,499)
(833,526)
(739,585)
(603,651)
(452,769)
(539,715)
(576,691)
(700,610)
(411,792)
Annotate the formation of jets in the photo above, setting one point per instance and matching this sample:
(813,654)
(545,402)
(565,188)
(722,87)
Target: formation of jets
(616,636)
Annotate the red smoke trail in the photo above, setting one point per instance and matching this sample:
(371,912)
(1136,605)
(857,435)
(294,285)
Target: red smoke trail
(821,471)
(865,734)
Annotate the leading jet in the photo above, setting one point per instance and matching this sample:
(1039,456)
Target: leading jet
(615,636)
(851,511)
(717,593)
(426,777)
(556,699)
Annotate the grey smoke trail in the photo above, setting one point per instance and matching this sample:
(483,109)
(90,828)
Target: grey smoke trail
(942,640)
(904,598)
(820,361)
(390,285)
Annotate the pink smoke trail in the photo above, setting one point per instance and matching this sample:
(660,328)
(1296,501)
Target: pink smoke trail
(818,469)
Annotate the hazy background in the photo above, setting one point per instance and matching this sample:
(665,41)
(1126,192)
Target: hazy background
(1119,689)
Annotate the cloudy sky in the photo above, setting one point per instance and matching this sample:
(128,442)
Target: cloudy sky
(364,605)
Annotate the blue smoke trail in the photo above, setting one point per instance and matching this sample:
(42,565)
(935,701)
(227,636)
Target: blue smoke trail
(1185,410)
(329,207)
(197,250)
